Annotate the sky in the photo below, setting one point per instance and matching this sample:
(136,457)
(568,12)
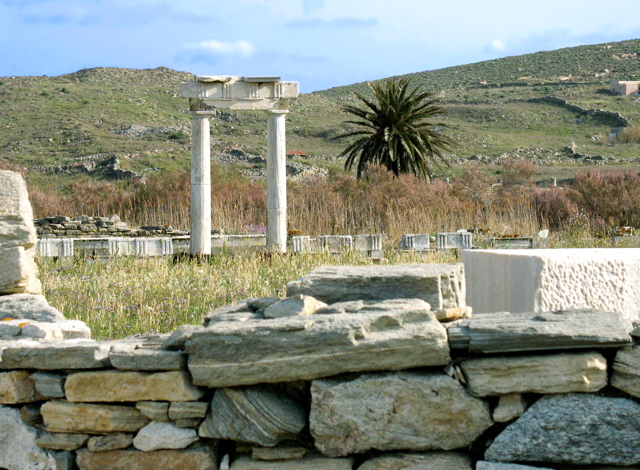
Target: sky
(319,43)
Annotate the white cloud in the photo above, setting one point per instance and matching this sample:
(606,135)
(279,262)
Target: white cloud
(241,48)
(498,45)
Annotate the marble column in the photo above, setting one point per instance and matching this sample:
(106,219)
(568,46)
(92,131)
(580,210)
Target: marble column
(200,210)
(276,182)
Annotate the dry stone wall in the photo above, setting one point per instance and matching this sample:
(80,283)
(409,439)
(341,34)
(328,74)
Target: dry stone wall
(387,370)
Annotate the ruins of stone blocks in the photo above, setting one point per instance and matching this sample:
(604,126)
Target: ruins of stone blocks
(391,371)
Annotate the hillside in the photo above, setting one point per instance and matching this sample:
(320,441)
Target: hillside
(71,125)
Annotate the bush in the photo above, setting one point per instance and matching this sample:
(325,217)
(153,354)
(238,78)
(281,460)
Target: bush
(555,208)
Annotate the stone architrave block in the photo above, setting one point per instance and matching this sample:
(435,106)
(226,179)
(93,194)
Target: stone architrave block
(64,416)
(394,411)
(194,458)
(577,429)
(572,329)
(16,387)
(28,307)
(543,280)
(130,386)
(390,337)
(546,374)
(307,463)
(19,274)
(451,240)
(418,242)
(259,415)
(16,216)
(18,448)
(421,461)
(51,355)
(626,371)
(440,285)
(156,436)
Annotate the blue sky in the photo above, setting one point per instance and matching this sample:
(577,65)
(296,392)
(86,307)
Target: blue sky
(320,43)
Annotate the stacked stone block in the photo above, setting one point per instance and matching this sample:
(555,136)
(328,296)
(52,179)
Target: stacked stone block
(98,227)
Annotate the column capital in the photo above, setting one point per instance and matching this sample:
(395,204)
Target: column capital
(201,114)
(277,111)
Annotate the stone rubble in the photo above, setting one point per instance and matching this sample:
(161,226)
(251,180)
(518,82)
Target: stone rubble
(374,368)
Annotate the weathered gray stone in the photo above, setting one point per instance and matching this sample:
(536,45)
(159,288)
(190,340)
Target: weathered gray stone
(37,330)
(260,415)
(423,461)
(154,410)
(577,429)
(195,458)
(278,453)
(9,329)
(156,436)
(18,448)
(292,306)
(240,307)
(571,329)
(506,466)
(65,460)
(258,304)
(626,367)
(393,335)
(188,409)
(176,341)
(48,385)
(307,463)
(509,408)
(123,386)
(550,373)
(16,387)
(63,416)
(113,441)
(19,273)
(440,285)
(62,441)
(148,359)
(395,411)
(16,216)
(350,306)
(29,307)
(52,355)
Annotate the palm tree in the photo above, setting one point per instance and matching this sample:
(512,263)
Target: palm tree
(395,131)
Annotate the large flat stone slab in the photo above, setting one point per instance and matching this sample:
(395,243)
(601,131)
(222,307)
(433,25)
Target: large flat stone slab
(394,411)
(573,329)
(576,429)
(54,355)
(130,386)
(440,285)
(553,279)
(303,348)
(198,458)
(550,373)
(63,416)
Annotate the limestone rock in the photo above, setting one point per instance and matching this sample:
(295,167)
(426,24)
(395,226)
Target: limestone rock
(123,386)
(626,367)
(292,306)
(509,408)
(278,453)
(577,429)
(188,409)
(154,410)
(395,411)
(52,355)
(307,463)
(570,329)
(440,285)
(16,387)
(261,415)
(61,441)
(195,458)
(16,216)
(63,416)
(148,359)
(550,373)
(29,307)
(48,385)
(156,436)
(425,461)
(113,441)
(389,337)
(506,466)
(19,273)
(18,448)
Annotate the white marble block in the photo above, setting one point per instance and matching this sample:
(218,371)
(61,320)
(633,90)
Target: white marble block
(519,281)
